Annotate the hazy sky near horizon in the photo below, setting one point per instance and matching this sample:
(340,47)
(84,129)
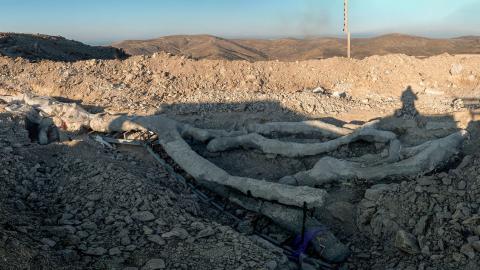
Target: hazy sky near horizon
(103,21)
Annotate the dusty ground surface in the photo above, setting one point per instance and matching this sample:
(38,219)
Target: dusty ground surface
(94,196)
(167,83)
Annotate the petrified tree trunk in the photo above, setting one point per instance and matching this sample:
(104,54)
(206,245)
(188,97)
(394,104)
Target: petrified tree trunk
(288,214)
(307,128)
(282,202)
(169,133)
(291,149)
(290,218)
(420,159)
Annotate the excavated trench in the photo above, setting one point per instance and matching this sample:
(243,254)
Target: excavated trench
(255,164)
(249,163)
(249,222)
(345,195)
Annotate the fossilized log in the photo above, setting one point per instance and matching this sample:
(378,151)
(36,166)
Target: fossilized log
(208,174)
(75,117)
(422,159)
(175,146)
(292,149)
(202,169)
(204,135)
(290,218)
(325,243)
(307,128)
(46,131)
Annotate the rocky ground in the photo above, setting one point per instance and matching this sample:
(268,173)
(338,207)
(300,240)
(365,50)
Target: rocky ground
(433,219)
(77,204)
(36,47)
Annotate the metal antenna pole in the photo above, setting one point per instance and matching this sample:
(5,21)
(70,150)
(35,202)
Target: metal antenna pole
(346,27)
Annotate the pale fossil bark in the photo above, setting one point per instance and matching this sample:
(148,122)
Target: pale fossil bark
(308,128)
(292,149)
(418,160)
(169,133)
(290,218)
(281,202)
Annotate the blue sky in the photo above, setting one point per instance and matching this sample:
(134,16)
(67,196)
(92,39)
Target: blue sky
(103,21)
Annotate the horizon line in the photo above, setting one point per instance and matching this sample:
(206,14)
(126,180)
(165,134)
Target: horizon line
(107,42)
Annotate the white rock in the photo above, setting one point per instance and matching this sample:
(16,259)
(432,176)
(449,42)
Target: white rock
(156,239)
(176,232)
(319,90)
(406,242)
(207,232)
(143,216)
(456,69)
(339,94)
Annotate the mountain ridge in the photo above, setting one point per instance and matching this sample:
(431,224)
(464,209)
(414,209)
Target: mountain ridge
(292,49)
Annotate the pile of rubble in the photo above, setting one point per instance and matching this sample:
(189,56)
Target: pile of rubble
(433,220)
(147,84)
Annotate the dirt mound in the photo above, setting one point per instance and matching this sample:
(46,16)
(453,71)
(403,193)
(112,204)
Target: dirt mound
(39,47)
(289,49)
(356,89)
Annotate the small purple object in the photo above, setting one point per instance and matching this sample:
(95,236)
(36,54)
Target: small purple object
(301,246)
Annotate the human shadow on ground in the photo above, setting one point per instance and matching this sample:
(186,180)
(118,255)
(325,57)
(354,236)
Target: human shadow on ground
(406,120)
(413,128)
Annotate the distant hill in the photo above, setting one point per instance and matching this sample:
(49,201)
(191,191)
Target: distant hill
(289,49)
(199,47)
(38,47)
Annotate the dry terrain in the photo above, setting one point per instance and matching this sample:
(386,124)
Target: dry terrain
(290,49)
(77,203)
(36,47)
